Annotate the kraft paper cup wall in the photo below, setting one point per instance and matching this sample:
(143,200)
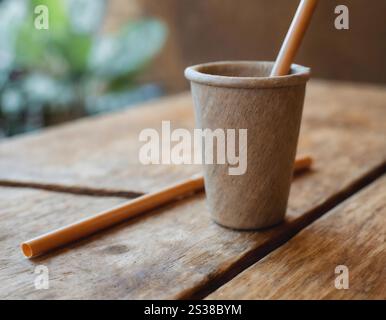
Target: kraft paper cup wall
(241,95)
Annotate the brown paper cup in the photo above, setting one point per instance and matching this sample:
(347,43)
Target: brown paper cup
(241,95)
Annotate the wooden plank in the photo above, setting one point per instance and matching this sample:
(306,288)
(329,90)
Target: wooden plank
(27,212)
(97,152)
(353,235)
(345,105)
(101,153)
(176,251)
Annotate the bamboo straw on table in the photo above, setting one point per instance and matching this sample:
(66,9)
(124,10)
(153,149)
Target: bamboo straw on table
(83,228)
(294,37)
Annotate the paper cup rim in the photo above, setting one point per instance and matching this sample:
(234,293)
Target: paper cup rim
(299,75)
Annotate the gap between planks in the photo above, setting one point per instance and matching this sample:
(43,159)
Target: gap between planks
(76,190)
(288,232)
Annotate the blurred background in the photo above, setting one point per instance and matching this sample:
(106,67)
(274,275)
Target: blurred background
(104,55)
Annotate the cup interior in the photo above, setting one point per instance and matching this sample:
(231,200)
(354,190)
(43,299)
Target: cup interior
(239,69)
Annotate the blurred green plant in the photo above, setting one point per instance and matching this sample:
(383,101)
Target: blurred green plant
(70,69)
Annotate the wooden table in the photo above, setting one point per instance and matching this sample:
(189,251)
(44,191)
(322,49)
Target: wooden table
(336,214)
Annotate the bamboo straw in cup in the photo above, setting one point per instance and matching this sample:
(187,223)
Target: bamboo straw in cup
(294,37)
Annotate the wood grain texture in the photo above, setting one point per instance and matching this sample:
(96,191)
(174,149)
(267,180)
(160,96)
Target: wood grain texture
(175,251)
(352,234)
(102,152)
(98,152)
(26,212)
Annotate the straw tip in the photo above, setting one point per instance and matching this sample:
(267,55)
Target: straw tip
(27,250)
